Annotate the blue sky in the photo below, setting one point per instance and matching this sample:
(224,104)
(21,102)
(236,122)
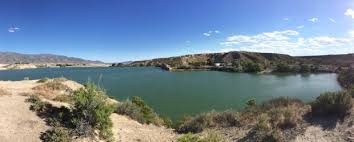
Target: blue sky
(122,30)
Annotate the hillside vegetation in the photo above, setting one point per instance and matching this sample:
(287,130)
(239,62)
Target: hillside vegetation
(250,62)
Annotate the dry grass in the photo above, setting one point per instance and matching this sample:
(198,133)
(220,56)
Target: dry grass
(53,88)
(4,93)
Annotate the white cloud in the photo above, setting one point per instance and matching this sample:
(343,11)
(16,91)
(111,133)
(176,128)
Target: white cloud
(13,29)
(300,27)
(349,12)
(286,19)
(332,20)
(206,34)
(210,33)
(313,20)
(290,42)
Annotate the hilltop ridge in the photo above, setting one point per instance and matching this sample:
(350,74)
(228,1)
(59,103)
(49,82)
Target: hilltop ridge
(13,58)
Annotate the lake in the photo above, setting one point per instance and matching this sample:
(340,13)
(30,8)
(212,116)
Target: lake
(175,94)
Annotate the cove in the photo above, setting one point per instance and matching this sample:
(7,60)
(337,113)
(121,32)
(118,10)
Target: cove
(174,94)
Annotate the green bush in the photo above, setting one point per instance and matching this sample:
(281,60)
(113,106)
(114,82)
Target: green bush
(43,80)
(251,103)
(36,103)
(138,110)
(251,67)
(56,134)
(283,67)
(91,111)
(207,120)
(332,104)
(129,109)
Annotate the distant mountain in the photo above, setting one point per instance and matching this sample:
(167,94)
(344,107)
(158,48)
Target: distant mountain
(12,58)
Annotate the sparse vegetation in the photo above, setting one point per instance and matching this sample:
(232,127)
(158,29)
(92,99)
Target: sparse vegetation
(211,136)
(346,78)
(64,98)
(138,110)
(36,103)
(336,104)
(56,134)
(251,67)
(52,87)
(4,93)
(91,111)
(207,120)
(189,137)
(43,80)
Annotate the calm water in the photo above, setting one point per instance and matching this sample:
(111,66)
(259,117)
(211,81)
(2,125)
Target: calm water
(174,94)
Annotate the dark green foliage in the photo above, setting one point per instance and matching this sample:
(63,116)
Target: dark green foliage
(332,104)
(207,120)
(57,134)
(36,103)
(283,67)
(305,68)
(251,67)
(251,103)
(91,111)
(129,109)
(167,122)
(138,110)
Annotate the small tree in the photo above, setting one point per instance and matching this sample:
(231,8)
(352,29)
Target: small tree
(91,111)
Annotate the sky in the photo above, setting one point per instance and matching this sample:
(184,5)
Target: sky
(125,30)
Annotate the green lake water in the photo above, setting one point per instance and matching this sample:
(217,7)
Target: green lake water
(175,94)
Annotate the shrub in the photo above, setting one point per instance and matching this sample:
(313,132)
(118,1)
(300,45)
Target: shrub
(207,120)
(273,136)
(56,134)
(281,102)
(283,67)
(284,118)
(213,136)
(129,109)
(332,104)
(188,138)
(43,80)
(91,111)
(64,98)
(36,103)
(251,67)
(138,110)
(251,103)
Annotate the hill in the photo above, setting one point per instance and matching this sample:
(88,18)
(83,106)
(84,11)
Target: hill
(251,62)
(341,59)
(212,58)
(12,58)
